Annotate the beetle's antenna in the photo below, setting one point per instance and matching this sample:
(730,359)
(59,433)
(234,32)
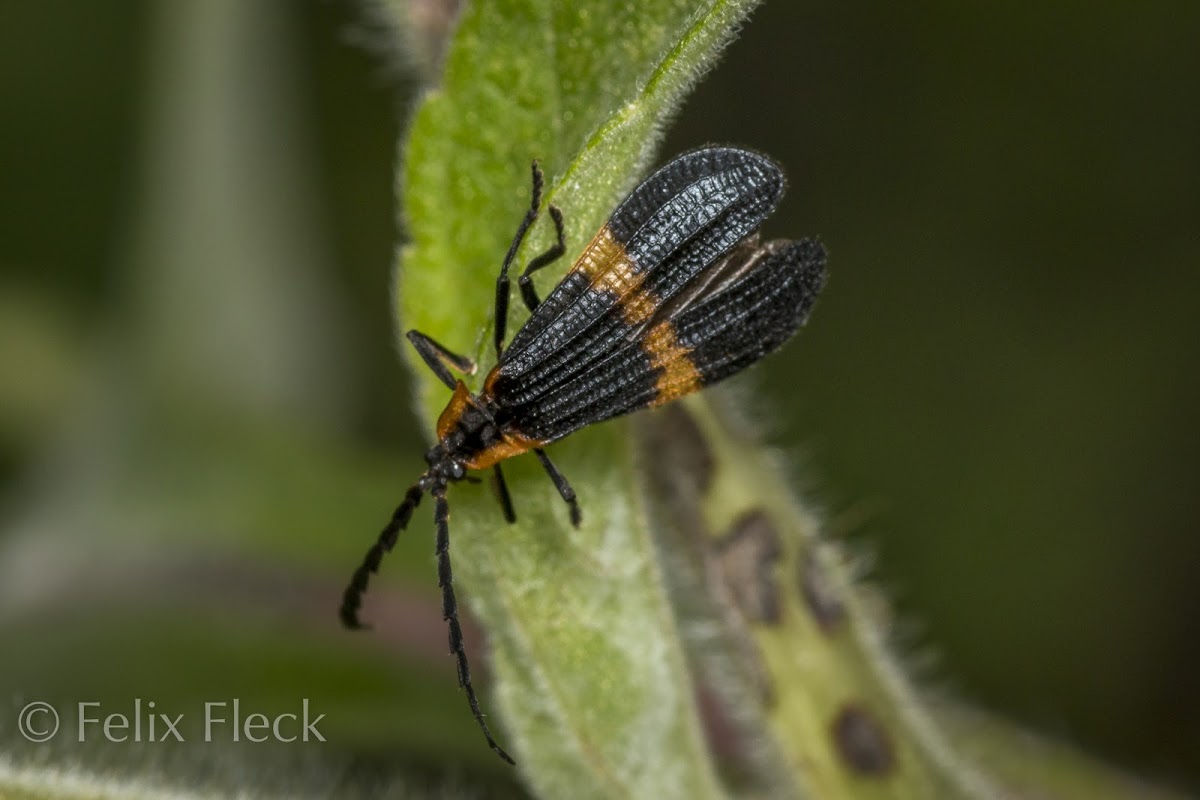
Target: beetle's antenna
(352,599)
(441,518)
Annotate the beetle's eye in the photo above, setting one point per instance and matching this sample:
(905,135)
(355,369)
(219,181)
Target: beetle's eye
(457,470)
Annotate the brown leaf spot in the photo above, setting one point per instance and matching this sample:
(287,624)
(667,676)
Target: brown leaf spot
(746,555)
(680,447)
(862,742)
(819,595)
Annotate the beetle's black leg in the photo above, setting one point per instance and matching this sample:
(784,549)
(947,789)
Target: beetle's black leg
(528,293)
(438,357)
(510,516)
(502,283)
(352,598)
(560,483)
(441,518)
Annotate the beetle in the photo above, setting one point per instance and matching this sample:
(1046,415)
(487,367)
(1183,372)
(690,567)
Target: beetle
(675,292)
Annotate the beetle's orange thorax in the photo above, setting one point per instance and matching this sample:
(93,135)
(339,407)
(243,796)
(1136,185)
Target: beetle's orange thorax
(498,446)
(508,445)
(453,411)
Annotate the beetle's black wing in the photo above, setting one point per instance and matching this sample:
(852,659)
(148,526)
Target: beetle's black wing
(753,303)
(681,220)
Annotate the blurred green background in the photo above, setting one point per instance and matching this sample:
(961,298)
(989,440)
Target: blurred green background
(203,419)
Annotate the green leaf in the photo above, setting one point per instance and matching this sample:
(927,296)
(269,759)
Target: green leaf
(587,625)
(591,674)
(802,665)
(836,706)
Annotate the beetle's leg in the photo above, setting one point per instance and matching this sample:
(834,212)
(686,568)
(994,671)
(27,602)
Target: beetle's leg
(528,293)
(502,282)
(438,357)
(510,515)
(560,483)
